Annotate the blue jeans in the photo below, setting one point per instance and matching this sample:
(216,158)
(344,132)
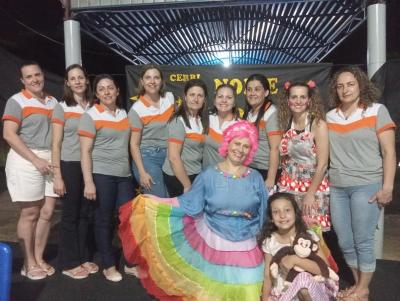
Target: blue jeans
(354,221)
(111,193)
(153,159)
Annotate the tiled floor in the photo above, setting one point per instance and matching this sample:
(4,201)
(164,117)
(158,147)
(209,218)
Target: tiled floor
(9,213)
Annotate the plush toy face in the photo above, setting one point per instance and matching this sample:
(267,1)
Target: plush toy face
(304,247)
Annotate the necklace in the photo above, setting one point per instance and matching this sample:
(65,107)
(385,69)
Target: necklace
(230,176)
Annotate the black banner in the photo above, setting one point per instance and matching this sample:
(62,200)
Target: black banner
(236,75)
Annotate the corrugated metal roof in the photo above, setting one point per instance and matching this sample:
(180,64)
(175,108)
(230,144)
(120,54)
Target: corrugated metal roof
(230,32)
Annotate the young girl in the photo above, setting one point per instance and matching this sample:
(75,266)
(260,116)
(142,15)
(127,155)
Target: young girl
(283,223)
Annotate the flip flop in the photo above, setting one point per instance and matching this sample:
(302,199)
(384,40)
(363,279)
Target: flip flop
(135,271)
(48,269)
(91,267)
(354,297)
(33,273)
(76,273)
(113,276)
(344,293)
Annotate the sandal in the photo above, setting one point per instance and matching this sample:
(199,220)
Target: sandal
(346,292)
(91,267)
(76,273)
(33,272)
(355,297)
(135,271)
(112,275)
(48,269)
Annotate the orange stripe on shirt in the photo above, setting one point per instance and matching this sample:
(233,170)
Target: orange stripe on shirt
(137,130)
(275,133)
(146,102)
(115,125)
(367,122)
(72,115)
(86,134)
(58,121)
(34,110)
(164,117)
(215,136)
(174,140)
(11,118)
(195,137)
(386,127)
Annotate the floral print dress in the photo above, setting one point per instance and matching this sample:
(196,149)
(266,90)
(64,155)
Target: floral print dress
(298,159)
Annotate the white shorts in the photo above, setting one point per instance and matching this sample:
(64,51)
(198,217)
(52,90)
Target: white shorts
(25,183)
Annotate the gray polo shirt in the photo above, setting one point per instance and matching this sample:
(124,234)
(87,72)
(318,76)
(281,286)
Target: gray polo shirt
(152,121)
(33,118)
(213,141)
(68,117)
(268,127)
(111,136)
(192,141)
(355,156)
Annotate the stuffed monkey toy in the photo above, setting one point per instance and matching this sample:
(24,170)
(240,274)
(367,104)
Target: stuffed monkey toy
(304,247)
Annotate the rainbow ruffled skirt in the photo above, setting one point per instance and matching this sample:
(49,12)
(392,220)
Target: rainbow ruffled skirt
(181,258)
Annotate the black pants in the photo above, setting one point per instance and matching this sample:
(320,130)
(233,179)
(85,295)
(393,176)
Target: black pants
(175,187)
(73,249)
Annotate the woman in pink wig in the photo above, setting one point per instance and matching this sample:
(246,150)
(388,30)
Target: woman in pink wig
(202,244)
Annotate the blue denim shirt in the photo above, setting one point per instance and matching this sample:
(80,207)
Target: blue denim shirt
(235,208)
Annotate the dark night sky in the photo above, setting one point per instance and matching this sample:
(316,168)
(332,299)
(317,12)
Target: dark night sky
(46,17)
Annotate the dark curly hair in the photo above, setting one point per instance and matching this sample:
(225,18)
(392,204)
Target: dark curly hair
(315,108)
(269,227)
(369,93)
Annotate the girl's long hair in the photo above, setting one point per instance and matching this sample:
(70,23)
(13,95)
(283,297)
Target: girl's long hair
(267,101)
(269,227)
(182,110)
(315,108)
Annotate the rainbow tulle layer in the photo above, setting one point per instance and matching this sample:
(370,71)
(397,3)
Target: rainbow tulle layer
(181,258)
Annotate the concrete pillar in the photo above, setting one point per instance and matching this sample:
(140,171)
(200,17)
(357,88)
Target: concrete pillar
(72,43)
(376,57)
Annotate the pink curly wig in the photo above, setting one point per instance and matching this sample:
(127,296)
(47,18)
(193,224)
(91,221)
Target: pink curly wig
(240,129)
